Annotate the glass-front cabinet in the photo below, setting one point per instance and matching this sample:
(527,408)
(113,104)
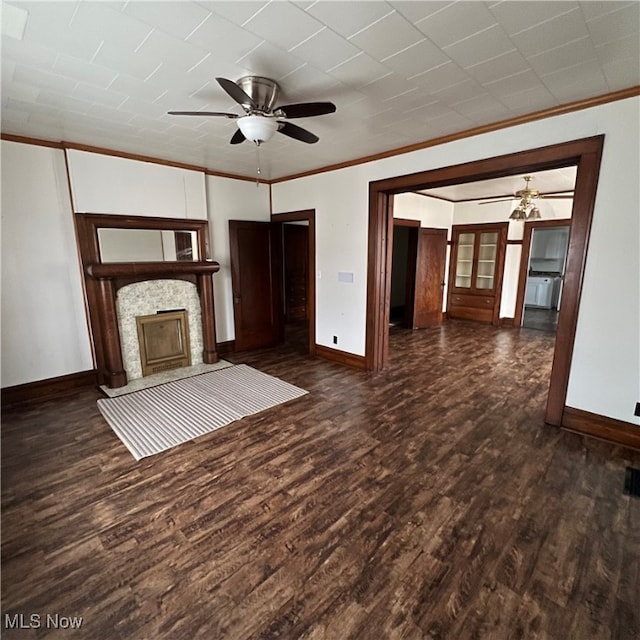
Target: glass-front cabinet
(477,264)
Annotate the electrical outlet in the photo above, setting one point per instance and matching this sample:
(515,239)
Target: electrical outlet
(335,339)
(637,411)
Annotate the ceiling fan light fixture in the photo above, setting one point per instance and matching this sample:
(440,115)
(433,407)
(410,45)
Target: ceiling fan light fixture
(534,214)
(518,214)
(257,128)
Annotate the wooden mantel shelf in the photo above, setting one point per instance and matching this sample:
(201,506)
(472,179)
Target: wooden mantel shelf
(150,269)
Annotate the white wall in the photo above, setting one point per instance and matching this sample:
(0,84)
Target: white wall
(431,212)
(108,184)
(229,199)
(44,327)
(340,199)
(605,376)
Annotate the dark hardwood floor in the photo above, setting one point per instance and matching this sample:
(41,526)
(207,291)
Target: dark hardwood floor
(541,319)
(425,501)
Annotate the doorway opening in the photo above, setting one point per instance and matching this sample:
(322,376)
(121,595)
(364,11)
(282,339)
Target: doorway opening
(545,256)
(298,237)
(585,154)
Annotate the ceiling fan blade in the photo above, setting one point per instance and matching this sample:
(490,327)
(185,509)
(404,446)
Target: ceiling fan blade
(202,113)
(294,131)
(502,200)
(305,109)
(557,197)
(238,94)
(237,137)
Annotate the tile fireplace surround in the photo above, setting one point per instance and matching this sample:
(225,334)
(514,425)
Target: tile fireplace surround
(149,297)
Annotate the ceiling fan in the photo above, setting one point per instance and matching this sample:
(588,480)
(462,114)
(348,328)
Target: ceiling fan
(257,96)
(527,209)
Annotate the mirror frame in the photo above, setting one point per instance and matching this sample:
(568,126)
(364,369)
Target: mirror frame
(87,225)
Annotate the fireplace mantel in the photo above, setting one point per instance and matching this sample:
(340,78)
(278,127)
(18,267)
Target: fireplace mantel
(103,279)
(146,270)
(106,277)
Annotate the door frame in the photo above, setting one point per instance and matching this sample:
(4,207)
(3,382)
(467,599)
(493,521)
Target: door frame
(585,153)
(526,254)
(310,216)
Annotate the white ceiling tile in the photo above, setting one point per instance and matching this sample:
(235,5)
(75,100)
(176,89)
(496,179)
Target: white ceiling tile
(615,26)
(144,71)
(518,16)
(12,117)
(513,84)
(450,123)
(308,83)
(458,92)
(325,50)
(63,102)
(83,71)
(127,85)
(530,100)
(48,25)
(270,61)
(408,102)
(456,22)
(283,25)
(29,53)
(133,64)
(238,12)
(359,70)
(110,115)
(624,49)
(575,82)
(416,59)
(178,19)
(553,33)
(387,36)
(43,79)
(482,107)
(618,73)
(93,94)
(415,11)
(490,43)
(508,64)
(387,87)
(348,18)
(596,8)
(561,57)
(441,77)
(23,92)
(229,39)
(102,21)
(170,51)
(429,110)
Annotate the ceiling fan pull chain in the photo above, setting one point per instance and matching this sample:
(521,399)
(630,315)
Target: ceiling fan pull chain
(257,163)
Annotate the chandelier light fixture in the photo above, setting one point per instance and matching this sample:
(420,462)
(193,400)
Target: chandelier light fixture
(526,209)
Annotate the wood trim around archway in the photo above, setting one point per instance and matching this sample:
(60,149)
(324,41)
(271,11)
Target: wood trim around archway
(585,154)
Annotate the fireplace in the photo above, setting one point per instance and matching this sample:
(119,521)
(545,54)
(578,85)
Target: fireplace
(106,283)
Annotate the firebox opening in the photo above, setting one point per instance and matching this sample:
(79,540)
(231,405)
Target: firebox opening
(164,341)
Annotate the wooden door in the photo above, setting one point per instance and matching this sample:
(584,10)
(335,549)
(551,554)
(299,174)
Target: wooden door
(296,262)
(256,261)
(431,257)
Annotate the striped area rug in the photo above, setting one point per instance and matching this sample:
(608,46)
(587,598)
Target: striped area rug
(156,419)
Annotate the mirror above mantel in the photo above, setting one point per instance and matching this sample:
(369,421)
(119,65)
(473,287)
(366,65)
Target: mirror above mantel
(147,245)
